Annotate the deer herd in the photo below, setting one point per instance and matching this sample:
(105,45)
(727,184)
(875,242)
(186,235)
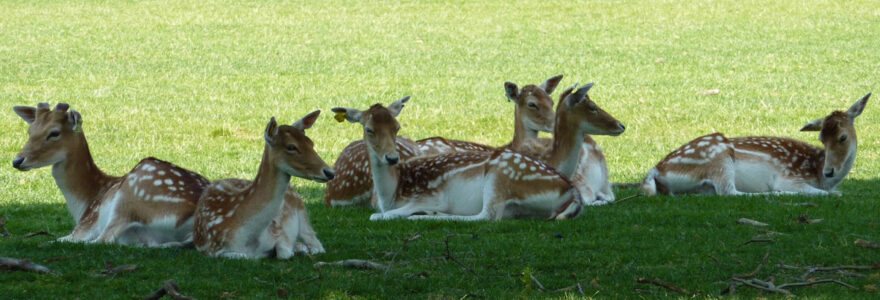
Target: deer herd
(159,204)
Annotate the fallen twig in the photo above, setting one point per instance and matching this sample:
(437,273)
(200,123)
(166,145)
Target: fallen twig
(758,268)
(809,283)
(354,263)
(806,219)
(866,244)
(8,263)
(577,286)
(810,270)
(758,240)
(663,285)
(535,280)
(3,230)
(628,198)
(169,288)
(762,285)
(41,232)
(414,237)
(746,221)
(448,256)
(770,232)
(110,270)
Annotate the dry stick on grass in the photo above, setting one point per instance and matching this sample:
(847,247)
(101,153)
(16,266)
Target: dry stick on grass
(810,270)
(746,221)
(414,237)
(355,264)
(577,286)
(628,198)
(110,270)
(535,280)
(762,285)
(663,285)
(866,244)
(758,240)
(448,256)
(8,263)
(41,232)
(757,269)
(169,287)
(3,230)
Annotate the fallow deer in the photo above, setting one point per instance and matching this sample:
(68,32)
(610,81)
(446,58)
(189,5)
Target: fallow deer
(470,185)
(715,164)
(238,218)
(150,206)
(533,113)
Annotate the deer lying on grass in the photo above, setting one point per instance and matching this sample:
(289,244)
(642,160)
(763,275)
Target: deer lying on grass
(150,206)
(238,218)
(715,164)
(534,113)
(472,186)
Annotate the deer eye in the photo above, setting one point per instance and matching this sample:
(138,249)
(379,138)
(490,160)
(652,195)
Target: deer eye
(292,148)
(843,138)
(533,106)
(53,134)
(369,131)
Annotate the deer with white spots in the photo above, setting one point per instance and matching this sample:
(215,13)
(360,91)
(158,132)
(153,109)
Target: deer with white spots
(238,218)
(150,206)
(466,186)
(746,165)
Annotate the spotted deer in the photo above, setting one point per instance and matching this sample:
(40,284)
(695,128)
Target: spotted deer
(238,218)
(150,206)
(716,164)
(533,113)
(468,186)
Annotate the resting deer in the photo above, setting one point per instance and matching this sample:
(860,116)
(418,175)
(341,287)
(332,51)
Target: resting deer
(354,185)
(150,206)
(715,164)
(468,186)
(238,218)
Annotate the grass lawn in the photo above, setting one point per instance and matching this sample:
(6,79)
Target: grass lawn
(194,82)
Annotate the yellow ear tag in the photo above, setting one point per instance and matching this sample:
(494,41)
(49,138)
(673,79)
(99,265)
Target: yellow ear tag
(340,116)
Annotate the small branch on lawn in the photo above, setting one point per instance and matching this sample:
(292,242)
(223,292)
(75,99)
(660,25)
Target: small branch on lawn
(535,280)
(762,285)
(577,286)
(758,240)
(110,270)
(810,270)
(663,285)
(448,256)
(41,232)
(758,268)
(809,283)
(354,264)
(746,221)
(770,232)
(414,237)
(806,219)
(866,244)
(169,288)
(628,198)
(13,264)
(3,230)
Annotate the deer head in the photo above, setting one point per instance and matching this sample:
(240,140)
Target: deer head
(53,133)
(293,152)
(533,103)
(577,110)
(838,134)
(380,128)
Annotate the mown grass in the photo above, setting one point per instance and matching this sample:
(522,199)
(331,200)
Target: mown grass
(194,82)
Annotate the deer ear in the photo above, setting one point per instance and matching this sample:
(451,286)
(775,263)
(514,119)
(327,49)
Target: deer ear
(512,91)
(350,114)
(579,95)
(27,113)
(550,85)
(271,131)
(856,109)
(62,107)
(75,120)
(815,125)
(307,121)
(397,106)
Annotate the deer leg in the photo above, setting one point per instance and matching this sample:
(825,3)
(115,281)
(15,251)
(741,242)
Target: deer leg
(307,235)
(113,231)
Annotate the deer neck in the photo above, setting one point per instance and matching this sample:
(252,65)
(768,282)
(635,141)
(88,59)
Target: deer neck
(520,132)
(385,181)
(566,149)
(79,179)
(267,191)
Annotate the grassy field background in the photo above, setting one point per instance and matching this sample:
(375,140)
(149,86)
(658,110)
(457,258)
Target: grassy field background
(194,82)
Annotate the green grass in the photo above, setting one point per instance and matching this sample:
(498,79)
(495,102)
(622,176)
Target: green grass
(194,82)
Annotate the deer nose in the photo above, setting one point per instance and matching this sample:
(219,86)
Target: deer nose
(830,173)
(392,160)
(622,128)
(329,173)
(16,163)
